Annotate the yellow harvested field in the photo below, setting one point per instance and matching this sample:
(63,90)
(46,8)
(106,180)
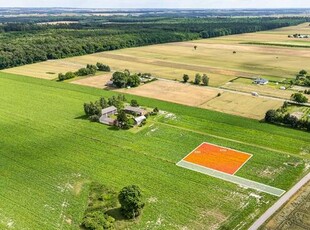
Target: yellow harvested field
(214,57)
(176,92)
(242,105)
(96,81)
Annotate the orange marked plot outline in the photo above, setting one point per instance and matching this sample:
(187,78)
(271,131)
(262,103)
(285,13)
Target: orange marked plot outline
(218,158)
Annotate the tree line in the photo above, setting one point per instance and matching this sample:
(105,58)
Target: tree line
(26,43)
(88,70)
(282,116)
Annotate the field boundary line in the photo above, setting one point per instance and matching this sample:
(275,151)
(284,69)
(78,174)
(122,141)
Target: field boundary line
(232,178)
(276,206)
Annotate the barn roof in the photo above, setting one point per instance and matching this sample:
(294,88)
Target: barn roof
(108,110)
(134,109)
(140,119)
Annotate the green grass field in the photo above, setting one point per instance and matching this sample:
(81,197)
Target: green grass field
(50,154)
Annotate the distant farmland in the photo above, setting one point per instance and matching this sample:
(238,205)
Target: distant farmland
(50,154)
(214,57)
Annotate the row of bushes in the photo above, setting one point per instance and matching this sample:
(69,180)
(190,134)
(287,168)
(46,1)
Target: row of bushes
(88,70)
(282,117)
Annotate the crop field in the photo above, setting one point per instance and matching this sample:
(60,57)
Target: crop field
(174,92)
(50,154)
(294,214)
(99,81)
(214,57)
(242,105)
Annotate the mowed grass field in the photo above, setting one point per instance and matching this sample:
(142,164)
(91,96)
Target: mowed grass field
(49,155)
(213,56)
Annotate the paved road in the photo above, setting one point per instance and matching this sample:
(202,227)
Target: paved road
(279,203)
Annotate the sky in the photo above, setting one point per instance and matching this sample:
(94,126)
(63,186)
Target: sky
(158,3)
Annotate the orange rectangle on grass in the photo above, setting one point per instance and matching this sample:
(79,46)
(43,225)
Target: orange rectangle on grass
(218,158)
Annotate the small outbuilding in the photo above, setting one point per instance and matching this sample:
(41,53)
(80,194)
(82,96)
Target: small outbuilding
(139,120)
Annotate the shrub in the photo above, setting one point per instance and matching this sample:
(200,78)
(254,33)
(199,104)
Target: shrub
(185,78)
(271,116)
(98,221)
(102,67)
(134,103)
(299,98)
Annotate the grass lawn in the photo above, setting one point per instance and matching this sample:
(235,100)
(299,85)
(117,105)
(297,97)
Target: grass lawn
(50,155)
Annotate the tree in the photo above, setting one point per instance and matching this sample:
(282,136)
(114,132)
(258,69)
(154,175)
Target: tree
(205,80)
(131,202)
(133,80)
(122,120)
(303,72)
(113,101)
(119,79)
(91,109)
(271,116)
(98,221)
(197,79)
(185,78)
(299,98)
(92,69)
(103,102)
(102,67)
(134,103)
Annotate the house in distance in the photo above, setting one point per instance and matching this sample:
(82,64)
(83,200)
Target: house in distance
(260,81)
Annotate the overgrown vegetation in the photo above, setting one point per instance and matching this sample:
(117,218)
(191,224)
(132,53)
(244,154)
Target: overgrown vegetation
(283,116)
(301,79)
(103,200)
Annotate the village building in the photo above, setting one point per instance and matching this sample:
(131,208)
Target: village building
(260,81)
(135,110)
(105,115)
